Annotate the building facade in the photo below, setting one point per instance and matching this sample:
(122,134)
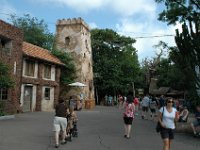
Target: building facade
(40,79)
(34,70)
(11,39)
(73,36)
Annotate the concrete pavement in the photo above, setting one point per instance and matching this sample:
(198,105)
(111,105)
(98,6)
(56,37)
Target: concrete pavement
(99,129)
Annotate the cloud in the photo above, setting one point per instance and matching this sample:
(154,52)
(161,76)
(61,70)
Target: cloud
(6,9)
(147,29)
(120,7)
(134,7)
(92,25)
(136,17)
(77,5)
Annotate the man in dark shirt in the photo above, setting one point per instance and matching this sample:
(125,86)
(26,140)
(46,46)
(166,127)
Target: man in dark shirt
(196,122)
(60,122)
(161,101)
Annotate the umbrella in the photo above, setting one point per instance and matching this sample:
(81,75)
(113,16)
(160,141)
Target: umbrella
(78,84)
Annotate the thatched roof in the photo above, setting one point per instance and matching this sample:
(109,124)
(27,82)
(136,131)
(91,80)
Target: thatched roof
(160,91)
(175,92)
(166,91)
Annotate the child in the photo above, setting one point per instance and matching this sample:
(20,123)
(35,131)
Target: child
(72,123)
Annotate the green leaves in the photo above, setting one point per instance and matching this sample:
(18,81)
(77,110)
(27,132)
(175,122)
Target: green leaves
(5,79)
(68,71)
(35,31)
(115,60)
(179,11)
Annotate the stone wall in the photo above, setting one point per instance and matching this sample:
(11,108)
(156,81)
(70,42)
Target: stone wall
(14,60)
(73,36)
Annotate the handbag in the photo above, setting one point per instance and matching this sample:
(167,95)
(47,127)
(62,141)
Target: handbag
(158,126)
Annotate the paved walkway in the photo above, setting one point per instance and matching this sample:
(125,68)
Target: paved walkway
(99,129)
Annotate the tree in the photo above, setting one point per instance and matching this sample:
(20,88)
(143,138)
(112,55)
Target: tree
(115,61)
(180,11)
(187,53)
(35,31)
(169,75)
(5,79)
(68,71)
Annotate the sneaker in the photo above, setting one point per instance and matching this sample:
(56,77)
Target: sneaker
(56,146)
(68,139)
(64,142)
(195,135)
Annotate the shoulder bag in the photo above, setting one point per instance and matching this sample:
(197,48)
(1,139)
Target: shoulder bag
(158,126)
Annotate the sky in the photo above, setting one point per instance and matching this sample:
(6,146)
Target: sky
(134,18)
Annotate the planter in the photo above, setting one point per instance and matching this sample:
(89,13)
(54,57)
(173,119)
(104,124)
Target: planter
(7,117)
(89,104)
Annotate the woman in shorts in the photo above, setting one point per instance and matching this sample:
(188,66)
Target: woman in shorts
(167,117)
(128,115)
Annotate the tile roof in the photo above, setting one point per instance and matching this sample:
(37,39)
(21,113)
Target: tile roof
(39,53)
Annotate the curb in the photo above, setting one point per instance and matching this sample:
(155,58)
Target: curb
(7,117)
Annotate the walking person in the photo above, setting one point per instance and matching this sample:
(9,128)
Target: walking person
(153,106)
(145,106)
(136,103)
(128,115)
(167,117)
(60,122)
(120,101)
(161,101)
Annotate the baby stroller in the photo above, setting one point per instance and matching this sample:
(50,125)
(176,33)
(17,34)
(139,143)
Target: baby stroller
(75,130)
(71,130)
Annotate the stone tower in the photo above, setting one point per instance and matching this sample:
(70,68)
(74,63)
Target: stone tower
(73,36)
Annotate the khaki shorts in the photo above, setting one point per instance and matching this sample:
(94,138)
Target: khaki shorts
(59,123)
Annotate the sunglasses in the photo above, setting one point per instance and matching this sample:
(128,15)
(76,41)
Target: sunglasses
(170,102)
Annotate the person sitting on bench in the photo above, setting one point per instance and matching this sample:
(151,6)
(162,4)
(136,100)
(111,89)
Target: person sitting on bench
(196,123)
(183,115)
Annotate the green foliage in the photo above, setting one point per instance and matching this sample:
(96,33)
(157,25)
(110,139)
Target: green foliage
(68,71)
(179,10)
(170,75)
(115,62)
(186,56)
(187,53)
(35,31)
(5,79)
(2,107)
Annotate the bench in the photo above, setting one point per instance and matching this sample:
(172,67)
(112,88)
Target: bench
(184,127)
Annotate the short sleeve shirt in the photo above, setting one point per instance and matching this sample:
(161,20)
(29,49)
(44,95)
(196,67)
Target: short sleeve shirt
(145,101)
(129,110)
(168,117)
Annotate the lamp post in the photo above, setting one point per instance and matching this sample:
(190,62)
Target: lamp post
(133,85)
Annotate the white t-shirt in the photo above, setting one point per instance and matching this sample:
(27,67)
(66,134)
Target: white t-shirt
(168,118)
